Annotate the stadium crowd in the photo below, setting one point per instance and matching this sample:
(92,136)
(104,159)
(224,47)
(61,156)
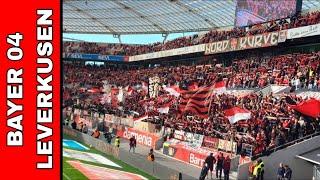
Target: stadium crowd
(272,123)
(268,10)
(212,36)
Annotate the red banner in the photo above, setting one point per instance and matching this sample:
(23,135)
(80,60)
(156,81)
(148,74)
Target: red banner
(194,156)
(244,159)
(143,138)
(210,142)
(30,89)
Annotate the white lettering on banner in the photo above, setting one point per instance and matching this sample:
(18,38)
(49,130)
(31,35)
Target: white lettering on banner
(282,36)
(257,41)
(247,42)
(74,55)
(179,135)
(141,139)
(266,37)
(274,38)
(304,31)
(172,52)
(216,47)
(195,160)
(194,140)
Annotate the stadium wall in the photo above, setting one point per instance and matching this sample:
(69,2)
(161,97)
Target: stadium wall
(96,143)
(301,169)
(156,168)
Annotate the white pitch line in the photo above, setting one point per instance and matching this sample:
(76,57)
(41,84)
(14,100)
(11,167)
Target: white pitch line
(66,176)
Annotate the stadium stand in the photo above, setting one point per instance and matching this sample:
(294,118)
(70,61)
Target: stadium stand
(212,36)
(249,104)
(272,123)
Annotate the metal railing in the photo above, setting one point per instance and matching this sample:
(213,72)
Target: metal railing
(268,152)
(316,172)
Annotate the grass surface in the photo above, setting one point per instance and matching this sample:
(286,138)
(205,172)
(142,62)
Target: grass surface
(75,174)
(70,173)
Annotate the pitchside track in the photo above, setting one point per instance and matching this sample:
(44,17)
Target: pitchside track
(97,172)
(83,163)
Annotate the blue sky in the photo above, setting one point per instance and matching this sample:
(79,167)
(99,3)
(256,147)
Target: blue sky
(126,39)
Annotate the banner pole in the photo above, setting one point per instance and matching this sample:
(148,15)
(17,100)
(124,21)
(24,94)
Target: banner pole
(210,101)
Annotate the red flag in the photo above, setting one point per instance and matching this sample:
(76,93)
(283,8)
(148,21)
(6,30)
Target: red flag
(129,90)
(197,101)
(114,97)
(220,87)
(173,90)
(94,90)
(236,114)
(310,107)
(193,86)
(145,87)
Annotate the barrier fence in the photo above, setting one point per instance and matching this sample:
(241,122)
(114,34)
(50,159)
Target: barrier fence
(153,168)
(96,143)
(146,136)
(284,146)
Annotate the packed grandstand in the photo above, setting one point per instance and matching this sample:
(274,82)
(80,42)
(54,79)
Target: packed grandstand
(248,97)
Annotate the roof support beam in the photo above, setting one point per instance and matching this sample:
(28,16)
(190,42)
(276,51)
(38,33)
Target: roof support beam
(213,25)
(140,15)
(91,17)
(118,36)
(165,35)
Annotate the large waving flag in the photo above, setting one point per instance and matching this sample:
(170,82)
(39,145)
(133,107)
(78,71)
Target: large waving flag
(220,87)
(310,107)
(236,114)
(144,87)
(197,101)
(164,109)
(114,97)
(94,90)
(173,90)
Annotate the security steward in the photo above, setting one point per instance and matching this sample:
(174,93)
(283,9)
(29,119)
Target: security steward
(117,141)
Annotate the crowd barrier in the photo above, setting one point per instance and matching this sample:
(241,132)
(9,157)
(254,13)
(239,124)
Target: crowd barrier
(143,138)
(145,126)
(96,143)
(153,168)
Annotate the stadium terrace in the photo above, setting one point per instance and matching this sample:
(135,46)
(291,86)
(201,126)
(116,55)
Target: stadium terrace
(247,96)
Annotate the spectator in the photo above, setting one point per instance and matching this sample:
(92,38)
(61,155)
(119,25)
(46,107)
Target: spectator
(220,160)
(210,161)
(85,129)
(132,143)
(108,137)
(260,169)
(151,155)
(251,168)
(204,171)
(280,172)
(96,133)
(117,142)
(74,125)
(295,128)
(271,115)
(226,168)
(212,36)
(287,173)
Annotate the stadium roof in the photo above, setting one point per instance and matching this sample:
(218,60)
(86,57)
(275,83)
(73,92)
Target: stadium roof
(150,16)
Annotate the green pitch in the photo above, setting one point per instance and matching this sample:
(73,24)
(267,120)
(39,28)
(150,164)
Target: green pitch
(70,173)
